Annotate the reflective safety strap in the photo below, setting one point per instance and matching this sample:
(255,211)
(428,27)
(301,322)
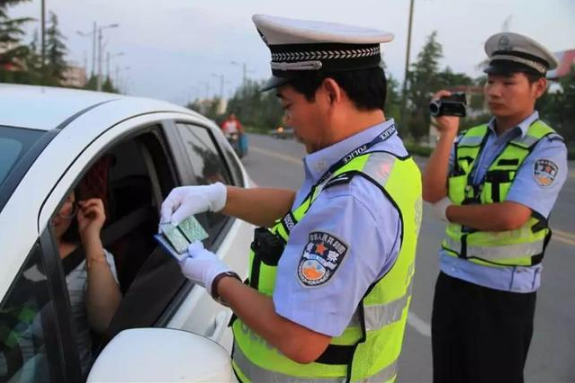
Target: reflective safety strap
(470,141)
(526,141)
(379,167)
(496,253)
(379,316)
(256,373)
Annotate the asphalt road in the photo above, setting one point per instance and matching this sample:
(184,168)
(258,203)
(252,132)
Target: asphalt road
(277,163)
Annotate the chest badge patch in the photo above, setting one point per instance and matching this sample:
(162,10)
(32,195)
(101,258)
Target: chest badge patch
(545,172)
(321,258)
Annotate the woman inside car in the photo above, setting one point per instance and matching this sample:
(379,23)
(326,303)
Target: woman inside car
(92,280)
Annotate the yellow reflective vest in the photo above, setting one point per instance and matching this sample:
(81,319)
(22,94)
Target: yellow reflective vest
(521,247)
(369,348)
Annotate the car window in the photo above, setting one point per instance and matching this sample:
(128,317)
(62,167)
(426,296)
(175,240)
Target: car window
(133,176)
(206,161)
(29,346)
(209,167)
(14,143)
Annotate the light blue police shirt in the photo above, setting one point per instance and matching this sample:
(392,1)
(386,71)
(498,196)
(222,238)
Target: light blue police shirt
(360,217)
(524,190)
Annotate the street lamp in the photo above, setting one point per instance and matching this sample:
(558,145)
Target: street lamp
(205,84)
(93,35)
(43,38)
(99,82)
(222,79)
(117,78)
(244,70)
(403,93)
(110,56)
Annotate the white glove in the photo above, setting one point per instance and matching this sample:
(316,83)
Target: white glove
(440,208)
(202,266)
(186,201)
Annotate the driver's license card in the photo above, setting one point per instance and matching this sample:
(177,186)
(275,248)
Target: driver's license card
(176,239)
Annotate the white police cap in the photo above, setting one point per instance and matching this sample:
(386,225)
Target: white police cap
(512,52)
(299,46)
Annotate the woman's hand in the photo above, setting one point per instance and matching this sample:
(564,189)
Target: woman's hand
(91,218)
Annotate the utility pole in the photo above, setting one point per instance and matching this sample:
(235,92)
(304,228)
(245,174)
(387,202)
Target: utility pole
(244,66)
(94,49)
(43,32)
(99,79)
(222,79)
(94,35)
(100,54)
(403,93)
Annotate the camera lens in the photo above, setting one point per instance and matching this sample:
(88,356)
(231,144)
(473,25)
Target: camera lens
(434,108)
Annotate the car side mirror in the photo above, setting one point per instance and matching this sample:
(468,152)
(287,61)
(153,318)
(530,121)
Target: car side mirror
(161,355)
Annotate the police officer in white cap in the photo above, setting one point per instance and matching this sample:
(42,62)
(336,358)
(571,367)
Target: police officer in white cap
(332,264)
(495,185)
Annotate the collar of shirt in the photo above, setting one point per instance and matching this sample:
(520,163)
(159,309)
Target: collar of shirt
(316,164)
(522,127)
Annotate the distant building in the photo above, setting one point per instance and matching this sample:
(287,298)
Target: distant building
(566,62)
(74,76)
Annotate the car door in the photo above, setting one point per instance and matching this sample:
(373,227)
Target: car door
(208,158)
(189,307)
(36,341)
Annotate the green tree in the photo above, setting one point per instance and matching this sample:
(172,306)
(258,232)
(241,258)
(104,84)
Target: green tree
(254,108)
(55,52)
(14,52)
(449,79)
(557,108)
(108,86)
(5,3)
(423,80)
(393,99)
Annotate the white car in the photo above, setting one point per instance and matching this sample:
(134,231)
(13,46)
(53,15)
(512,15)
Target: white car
(133,151)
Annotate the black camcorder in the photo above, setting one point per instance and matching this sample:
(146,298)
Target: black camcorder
(453,105)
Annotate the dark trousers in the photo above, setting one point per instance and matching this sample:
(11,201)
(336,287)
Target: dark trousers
(479,334)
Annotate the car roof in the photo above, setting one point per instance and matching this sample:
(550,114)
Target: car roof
(47,108)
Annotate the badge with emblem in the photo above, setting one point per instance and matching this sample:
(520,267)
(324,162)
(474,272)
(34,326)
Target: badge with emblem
(320,259)
(545,172)
(504,44)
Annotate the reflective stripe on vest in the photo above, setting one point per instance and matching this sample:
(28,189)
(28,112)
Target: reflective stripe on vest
(243,364)
(377,316)
(374,343)
(521,250)
(521,247)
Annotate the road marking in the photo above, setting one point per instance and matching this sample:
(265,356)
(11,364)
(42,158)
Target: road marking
(419,324)
(564,237)
(284,157)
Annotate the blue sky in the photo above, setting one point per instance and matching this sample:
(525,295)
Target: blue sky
(175,47)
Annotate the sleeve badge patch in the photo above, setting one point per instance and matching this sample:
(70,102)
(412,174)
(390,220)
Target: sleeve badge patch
(320,259)
(544,172)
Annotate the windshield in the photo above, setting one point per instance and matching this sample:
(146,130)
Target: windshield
(14,143)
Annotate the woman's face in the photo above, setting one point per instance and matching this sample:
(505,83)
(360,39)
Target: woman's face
(64,217)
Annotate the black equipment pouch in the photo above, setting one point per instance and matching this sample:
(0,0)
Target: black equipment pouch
(267,247)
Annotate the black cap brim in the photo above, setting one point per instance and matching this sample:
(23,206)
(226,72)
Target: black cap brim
(274,81)
(506,67)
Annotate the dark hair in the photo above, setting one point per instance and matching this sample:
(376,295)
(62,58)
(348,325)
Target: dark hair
(72,235)
(366,88)
(533,77)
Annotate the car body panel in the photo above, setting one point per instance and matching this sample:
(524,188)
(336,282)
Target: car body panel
(61,165)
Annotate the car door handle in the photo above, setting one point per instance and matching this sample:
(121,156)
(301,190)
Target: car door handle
(220,324)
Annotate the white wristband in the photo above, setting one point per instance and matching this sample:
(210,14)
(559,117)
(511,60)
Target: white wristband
(440,208)
(219,196)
